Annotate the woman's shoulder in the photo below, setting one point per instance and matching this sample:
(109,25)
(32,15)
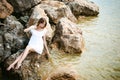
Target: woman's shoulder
(45,29)
(33,26)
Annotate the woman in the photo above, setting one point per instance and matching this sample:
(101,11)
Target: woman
(36,43)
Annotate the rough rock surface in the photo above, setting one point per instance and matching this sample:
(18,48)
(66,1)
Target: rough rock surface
(63,73)
(56,10)
(68,36)
(12,36)
(5,9)
(28,69)
(22,5)
(83,7)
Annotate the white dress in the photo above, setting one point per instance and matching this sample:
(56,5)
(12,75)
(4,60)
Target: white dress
(36,40)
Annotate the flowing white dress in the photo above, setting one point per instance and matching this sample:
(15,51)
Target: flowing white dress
(36,40)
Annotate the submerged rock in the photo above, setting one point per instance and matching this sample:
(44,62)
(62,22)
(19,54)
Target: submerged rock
(5,9)
(68,36)
(65,73)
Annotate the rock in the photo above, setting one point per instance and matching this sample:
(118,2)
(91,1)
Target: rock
(22,5)
(56,10)
(0,74)
(83,7)
(1,48)
(8,37)
(68,36)
(14,37)
(35,16)
(64,73)
(29,68)
(5,9)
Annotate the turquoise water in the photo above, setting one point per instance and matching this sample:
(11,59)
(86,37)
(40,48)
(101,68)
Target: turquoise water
(101,57)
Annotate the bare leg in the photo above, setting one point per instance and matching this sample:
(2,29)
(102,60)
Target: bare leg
(17,59)
(23,56)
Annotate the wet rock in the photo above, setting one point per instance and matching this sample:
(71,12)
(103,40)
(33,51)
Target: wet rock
(65,73)
(83,7)
(56,10)
(5,9)
(68,36)
(22,5)
(35,16)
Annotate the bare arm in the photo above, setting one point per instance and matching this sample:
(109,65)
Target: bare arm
(45,44)
(28,29)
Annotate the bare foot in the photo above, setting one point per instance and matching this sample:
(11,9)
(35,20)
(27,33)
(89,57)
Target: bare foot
(18,66)
(11,66)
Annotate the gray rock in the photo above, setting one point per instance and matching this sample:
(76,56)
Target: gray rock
(1,48)
(22,5)
(8,37)
(12,38)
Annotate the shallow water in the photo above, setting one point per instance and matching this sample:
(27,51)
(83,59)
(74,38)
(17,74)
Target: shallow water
(101,57)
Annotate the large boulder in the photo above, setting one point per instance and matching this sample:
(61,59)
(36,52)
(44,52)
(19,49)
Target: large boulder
(29,68)
(56,10)
(68,36)
(13,36)
(36,15)
(5,9)
(82,7)
(22,5)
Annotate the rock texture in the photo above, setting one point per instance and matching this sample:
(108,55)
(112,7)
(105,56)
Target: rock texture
(56,10)
(83,7)
(63,73)
(12,36)
(5,9)
(29,68)
(31,65)
(68,36)
(1,48)
(22,5)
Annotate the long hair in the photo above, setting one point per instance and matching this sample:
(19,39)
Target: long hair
(42,20)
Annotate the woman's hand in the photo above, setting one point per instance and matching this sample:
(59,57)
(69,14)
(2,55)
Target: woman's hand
(25,30)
